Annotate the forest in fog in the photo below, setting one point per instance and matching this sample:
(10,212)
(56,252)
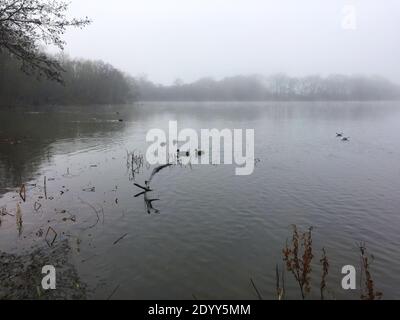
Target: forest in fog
(87,82)
(84,82)
(276,87)
(31,77)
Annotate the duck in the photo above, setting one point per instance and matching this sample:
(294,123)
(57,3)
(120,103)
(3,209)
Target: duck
(186,153)
(346,139)
(199,152)
(339,135)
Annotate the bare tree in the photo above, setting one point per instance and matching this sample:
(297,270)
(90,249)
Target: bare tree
(27,25)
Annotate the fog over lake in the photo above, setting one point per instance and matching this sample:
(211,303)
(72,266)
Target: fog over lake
(293,192)
(193,39)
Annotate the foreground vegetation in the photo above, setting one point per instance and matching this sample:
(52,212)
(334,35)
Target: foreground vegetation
(298,255)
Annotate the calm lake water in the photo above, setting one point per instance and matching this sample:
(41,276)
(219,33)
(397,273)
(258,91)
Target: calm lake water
(214,231)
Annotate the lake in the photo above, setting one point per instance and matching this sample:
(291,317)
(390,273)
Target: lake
(211,232)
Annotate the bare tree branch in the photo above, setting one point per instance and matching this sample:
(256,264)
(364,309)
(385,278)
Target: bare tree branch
(27,25)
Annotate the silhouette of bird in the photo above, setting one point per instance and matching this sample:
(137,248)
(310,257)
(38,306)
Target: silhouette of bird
(346,139)
(338,135)
(199,152)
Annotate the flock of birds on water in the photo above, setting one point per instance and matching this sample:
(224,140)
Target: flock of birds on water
(146,189)
(187,153)
(342,137)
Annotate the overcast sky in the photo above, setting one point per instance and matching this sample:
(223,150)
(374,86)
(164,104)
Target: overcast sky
(190,39)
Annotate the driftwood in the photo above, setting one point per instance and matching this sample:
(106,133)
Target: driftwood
(120,238)
(147,189)
(37,206)
(95,211)
(45,186)
(157,170)
(112,293)
(50,243)
(22,193)
(18,216)
(149,204)
(256,290)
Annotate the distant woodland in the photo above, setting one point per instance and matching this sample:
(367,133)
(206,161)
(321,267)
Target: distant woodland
(95,82)
(84,82)
(29,76)
(276,87)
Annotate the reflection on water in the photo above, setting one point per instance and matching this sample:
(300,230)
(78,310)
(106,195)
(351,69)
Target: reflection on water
(209,231)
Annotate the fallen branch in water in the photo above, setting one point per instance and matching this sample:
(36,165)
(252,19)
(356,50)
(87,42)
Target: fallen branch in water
(157,170)
(112,293)
(50,243)
(147,189)
(91,189)
(3,211)
(140,194)
(280,280)
(18,216)
(95,211)
(22,193)
(37,206)
(102,212)
(45,186)
(120,239)
(256,290)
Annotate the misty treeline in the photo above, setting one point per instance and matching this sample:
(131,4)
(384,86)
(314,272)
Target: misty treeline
(29,76)
(87,82)
(84,82)
(276,87)
(95,82)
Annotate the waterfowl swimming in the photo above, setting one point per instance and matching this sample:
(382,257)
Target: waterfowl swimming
(199,152)
(346,139)
(178,152)
(338,135)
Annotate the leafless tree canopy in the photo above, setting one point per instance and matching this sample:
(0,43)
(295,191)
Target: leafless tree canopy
(27,25)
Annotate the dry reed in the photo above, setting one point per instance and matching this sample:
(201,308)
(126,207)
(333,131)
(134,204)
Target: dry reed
(325,271)
(298,257)
(368,290)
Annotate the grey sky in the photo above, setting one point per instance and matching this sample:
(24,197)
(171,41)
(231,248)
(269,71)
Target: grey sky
(189,39)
